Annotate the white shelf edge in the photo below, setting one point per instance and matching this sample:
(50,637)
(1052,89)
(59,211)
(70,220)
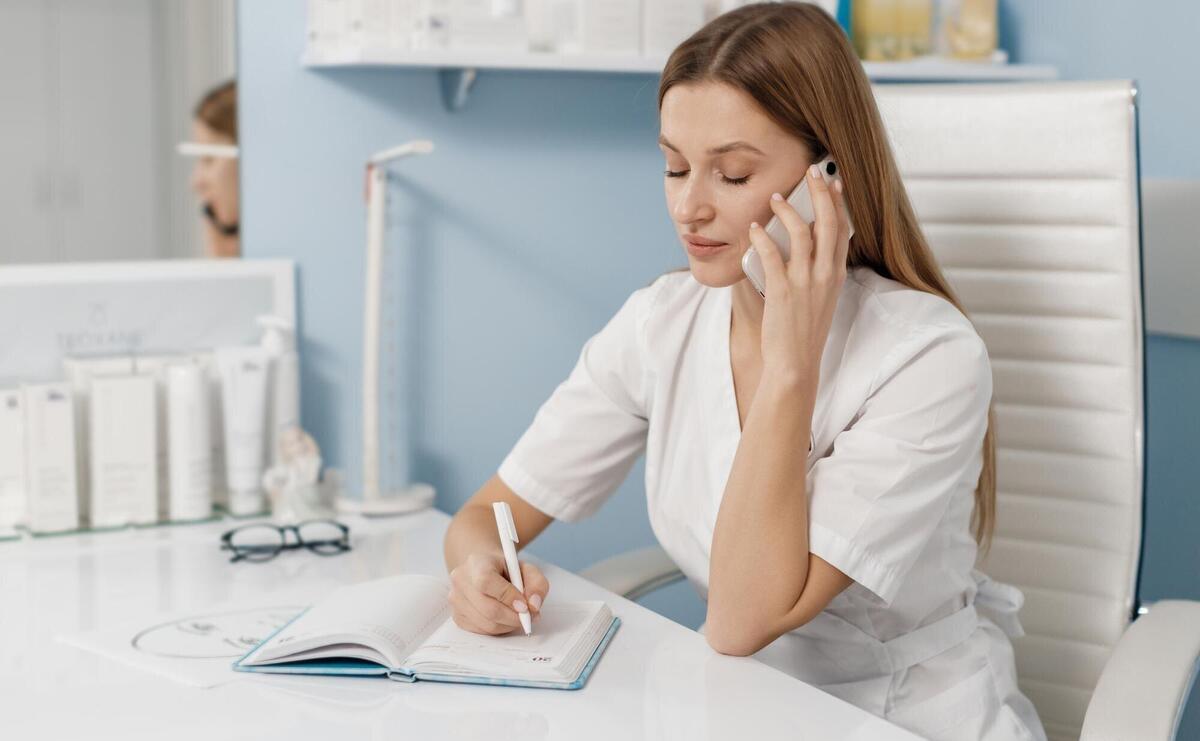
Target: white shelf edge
(916,70)
(952,70)
(490,60)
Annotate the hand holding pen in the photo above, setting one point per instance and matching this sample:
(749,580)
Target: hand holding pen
(484,600)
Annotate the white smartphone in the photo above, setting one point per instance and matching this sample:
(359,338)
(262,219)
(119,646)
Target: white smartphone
(802,202)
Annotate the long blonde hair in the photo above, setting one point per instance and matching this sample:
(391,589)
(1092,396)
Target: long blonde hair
(798,65)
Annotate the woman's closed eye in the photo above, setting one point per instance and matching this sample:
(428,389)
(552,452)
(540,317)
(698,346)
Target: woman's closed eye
(731,181)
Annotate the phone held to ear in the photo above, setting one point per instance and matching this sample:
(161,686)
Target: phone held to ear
(800,199)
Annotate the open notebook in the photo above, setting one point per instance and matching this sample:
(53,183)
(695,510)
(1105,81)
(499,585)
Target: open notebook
(401,627)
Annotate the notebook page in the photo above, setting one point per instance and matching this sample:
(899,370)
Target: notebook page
(389,616)
(564,632)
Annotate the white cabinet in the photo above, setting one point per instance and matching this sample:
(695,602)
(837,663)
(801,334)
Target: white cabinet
(110,154)
(80,147)
(26,185)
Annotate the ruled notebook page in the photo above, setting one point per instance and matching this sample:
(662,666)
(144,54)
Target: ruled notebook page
(564,638)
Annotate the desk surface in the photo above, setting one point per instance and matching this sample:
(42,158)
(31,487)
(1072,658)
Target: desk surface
(657,680)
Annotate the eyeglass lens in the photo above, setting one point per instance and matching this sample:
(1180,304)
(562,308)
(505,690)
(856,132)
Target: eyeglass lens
(322,536)
(257,542)
(261,542)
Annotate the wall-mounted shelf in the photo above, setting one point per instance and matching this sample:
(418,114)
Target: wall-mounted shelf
(460,68)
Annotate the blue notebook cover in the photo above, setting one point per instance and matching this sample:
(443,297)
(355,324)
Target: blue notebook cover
(361,668)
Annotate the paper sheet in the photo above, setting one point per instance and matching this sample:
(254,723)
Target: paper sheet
(196,649)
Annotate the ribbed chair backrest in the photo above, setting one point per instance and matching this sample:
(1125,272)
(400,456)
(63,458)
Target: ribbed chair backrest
(1028,195)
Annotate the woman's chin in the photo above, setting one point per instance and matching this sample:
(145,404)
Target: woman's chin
(716,273)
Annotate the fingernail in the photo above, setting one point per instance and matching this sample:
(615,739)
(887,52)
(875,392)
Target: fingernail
(536,601)
(519,606)
(837,185)
(814,171)
(753,224)
(776,197)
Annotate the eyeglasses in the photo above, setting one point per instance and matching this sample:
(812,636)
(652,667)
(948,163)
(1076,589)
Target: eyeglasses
(264,541)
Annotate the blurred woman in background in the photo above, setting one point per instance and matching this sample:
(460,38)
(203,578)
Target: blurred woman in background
(215,178)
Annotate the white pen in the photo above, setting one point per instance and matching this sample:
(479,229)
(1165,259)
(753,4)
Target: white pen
(508,536)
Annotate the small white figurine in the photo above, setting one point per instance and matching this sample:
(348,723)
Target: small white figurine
(292,485)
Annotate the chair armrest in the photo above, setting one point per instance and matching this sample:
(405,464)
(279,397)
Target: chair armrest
(1144,685)
(634,574)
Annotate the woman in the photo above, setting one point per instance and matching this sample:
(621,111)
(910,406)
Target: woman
(215,179)
(850,567)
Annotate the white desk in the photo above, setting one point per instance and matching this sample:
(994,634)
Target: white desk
(657,680)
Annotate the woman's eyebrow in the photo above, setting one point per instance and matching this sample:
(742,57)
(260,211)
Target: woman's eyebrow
(731,146)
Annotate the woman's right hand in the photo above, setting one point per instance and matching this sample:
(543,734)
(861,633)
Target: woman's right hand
(483,601)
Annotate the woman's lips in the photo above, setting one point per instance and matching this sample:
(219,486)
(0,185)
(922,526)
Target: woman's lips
(703,247)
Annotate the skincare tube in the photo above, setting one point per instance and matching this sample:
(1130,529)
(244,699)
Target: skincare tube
(123,445)
(216,425)
(156,367)
(53,496)
(12,461)
(244,373)
(79,372)
(189,441)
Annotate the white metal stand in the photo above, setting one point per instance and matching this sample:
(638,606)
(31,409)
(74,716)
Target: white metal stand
(415,496)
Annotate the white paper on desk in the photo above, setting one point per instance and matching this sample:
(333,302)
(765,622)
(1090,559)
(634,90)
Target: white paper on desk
(196,648)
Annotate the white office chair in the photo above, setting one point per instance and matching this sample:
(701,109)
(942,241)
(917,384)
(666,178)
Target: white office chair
(1028,194)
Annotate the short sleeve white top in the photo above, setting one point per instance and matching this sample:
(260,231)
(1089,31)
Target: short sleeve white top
(897,431)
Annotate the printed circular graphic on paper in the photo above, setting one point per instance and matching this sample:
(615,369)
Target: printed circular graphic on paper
(226,635)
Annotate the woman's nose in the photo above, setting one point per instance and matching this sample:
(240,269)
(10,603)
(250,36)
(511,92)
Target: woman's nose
(693,203)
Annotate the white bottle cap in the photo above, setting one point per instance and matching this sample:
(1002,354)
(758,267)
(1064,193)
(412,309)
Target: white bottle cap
(278,334)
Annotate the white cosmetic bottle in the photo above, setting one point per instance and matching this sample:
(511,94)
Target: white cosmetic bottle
(79,373)
(283,401)
(53,504)
(123,451)
(207,362)
(12,461)
(189,443)
(156,366)
(666,23)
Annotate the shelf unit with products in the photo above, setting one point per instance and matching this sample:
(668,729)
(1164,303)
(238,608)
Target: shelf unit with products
(461,37)
(459,69)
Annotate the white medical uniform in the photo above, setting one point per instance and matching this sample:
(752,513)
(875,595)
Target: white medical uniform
(920,638)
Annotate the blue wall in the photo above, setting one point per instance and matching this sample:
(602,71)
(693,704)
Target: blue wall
(542,208)
(539,212)
(1115,39)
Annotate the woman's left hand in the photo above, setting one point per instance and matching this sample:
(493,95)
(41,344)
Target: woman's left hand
(801,295)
